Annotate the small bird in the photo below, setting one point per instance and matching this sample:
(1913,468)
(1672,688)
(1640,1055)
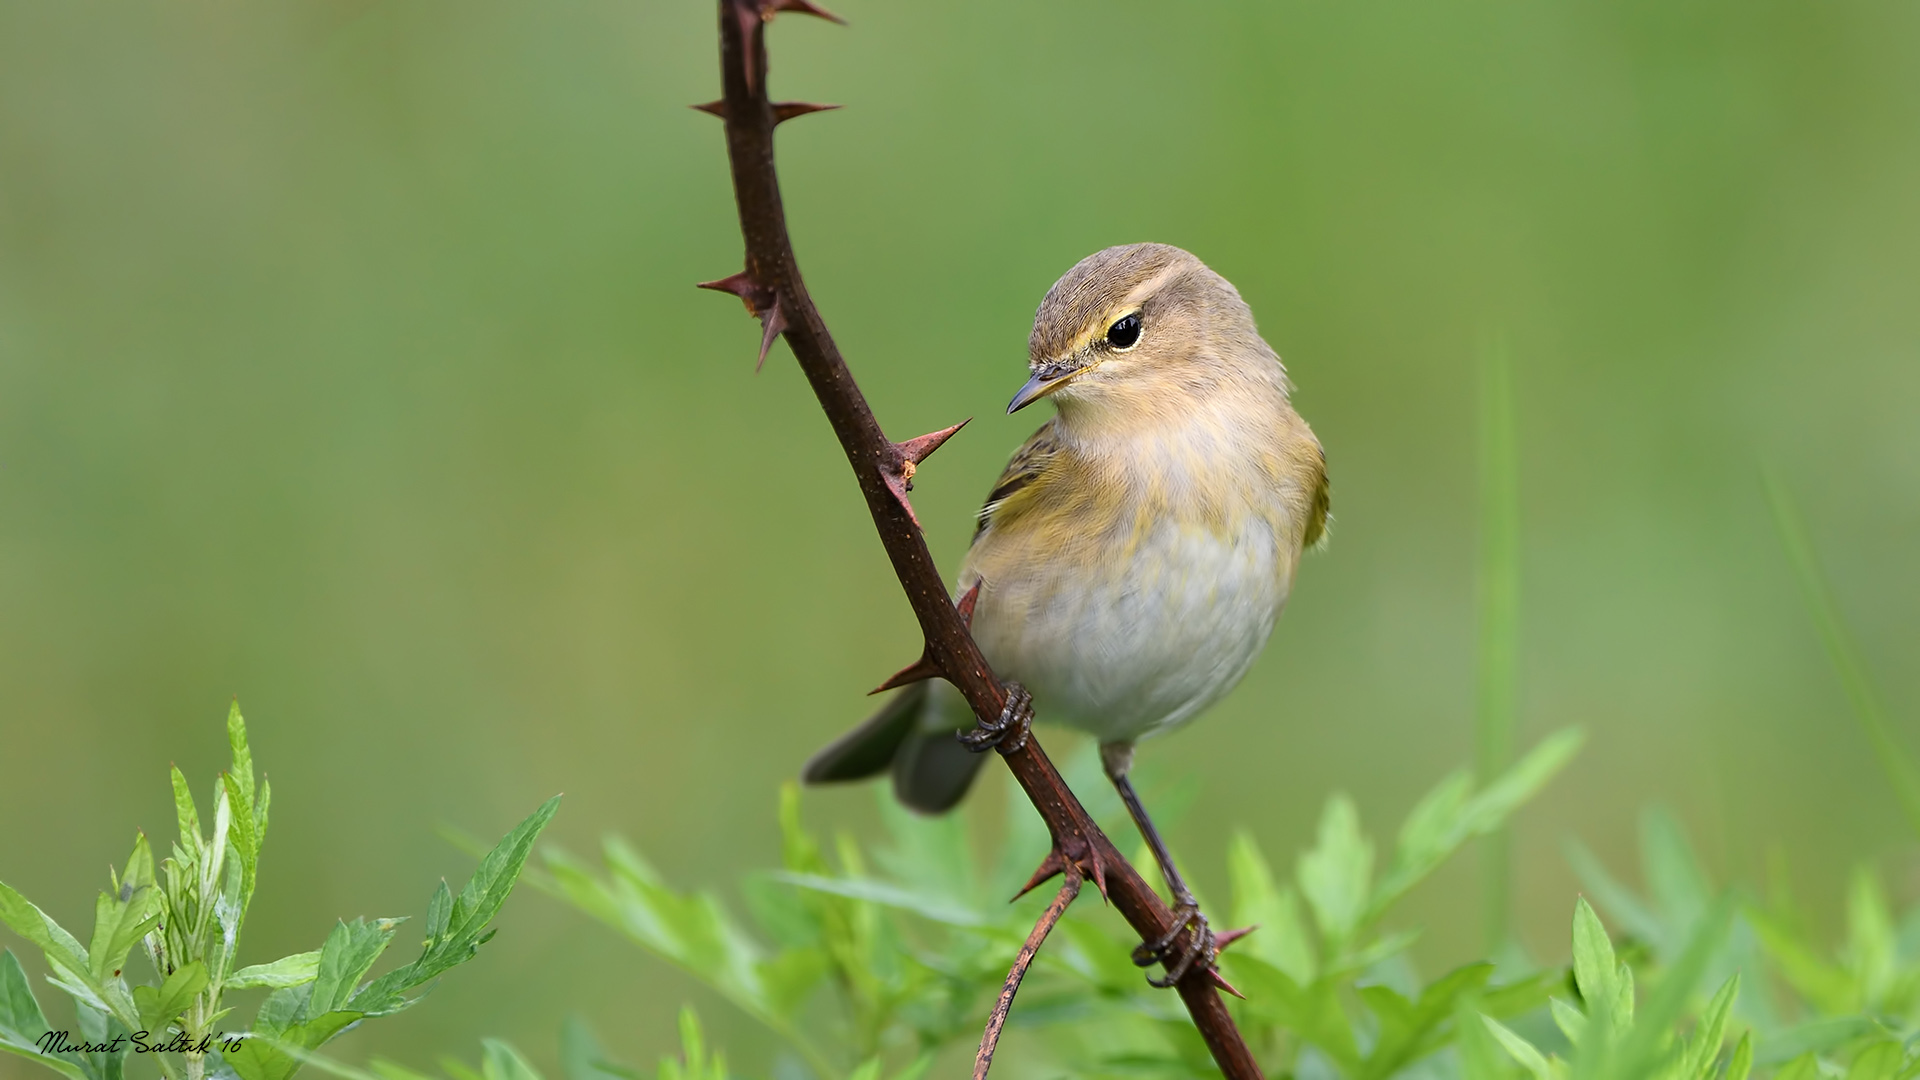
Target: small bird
(1135,554)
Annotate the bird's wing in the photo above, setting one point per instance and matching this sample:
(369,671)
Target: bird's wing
(1029,464)
(1322,507)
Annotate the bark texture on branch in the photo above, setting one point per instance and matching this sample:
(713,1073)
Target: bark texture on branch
(996,1020)
(771,287)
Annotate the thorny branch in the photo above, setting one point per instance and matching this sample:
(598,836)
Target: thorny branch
(771,287)
(990,1038)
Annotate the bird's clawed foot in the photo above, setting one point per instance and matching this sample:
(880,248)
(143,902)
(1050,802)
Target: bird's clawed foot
(1009,733)
(1177,950)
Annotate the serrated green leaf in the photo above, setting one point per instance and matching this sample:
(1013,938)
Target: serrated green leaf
(159,1006)
(20,1015)
(1259,900)
(1710,1032)
(242,770)
(1442,822)
(284,972)
(1571,1021)
(1595,970)
(1319,1018)
(1334,875)
(1394,1015)
(281,1009)
(277,1056)
(100,1028)
(692,931)
(466,923)
(119,922)
(494,879)
(243,834)
(187,815)
(439,911)
(37,926)
(349,952)
(260,808)
(1408,1031)
(22,1024)
(1433,825)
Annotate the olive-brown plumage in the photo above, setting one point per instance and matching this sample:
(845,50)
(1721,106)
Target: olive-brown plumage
(1136,552)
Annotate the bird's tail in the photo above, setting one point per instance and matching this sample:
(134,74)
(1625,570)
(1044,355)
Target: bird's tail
(913,735)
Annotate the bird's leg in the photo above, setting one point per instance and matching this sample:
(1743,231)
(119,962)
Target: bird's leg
(1176,950)
(1074,851)
(1009,733)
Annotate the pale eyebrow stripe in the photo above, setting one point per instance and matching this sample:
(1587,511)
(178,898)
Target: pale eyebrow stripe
(1152,285)
(1140,292)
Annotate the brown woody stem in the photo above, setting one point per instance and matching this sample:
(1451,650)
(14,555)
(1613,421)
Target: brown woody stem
(772,271)
(990,1039)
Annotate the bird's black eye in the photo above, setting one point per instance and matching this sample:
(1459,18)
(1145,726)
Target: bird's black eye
(1124,333)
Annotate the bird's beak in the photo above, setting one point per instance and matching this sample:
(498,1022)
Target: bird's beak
(1038,387)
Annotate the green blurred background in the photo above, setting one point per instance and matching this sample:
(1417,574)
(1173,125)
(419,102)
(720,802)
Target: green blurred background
(349,363)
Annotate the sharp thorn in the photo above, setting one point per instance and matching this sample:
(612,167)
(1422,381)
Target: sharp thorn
(965,606)
(1053,864)
(1227,937)
(750,17)
(775,321)
(918,449)
(713,108)
(784,111)
(900,481)
(757,297)
(1219,980)
(804,7)
(920,670)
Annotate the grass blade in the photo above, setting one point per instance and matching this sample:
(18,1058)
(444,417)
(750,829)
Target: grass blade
(1499,603)
(1840,650)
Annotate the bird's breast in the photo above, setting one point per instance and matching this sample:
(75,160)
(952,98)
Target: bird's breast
(1131,604)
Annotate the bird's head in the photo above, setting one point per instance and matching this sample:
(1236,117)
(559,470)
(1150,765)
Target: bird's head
(1137,330)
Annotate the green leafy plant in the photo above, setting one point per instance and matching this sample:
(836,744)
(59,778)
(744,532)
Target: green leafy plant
(867,958)
(1342,987)
(1811,1009)
(186,916)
